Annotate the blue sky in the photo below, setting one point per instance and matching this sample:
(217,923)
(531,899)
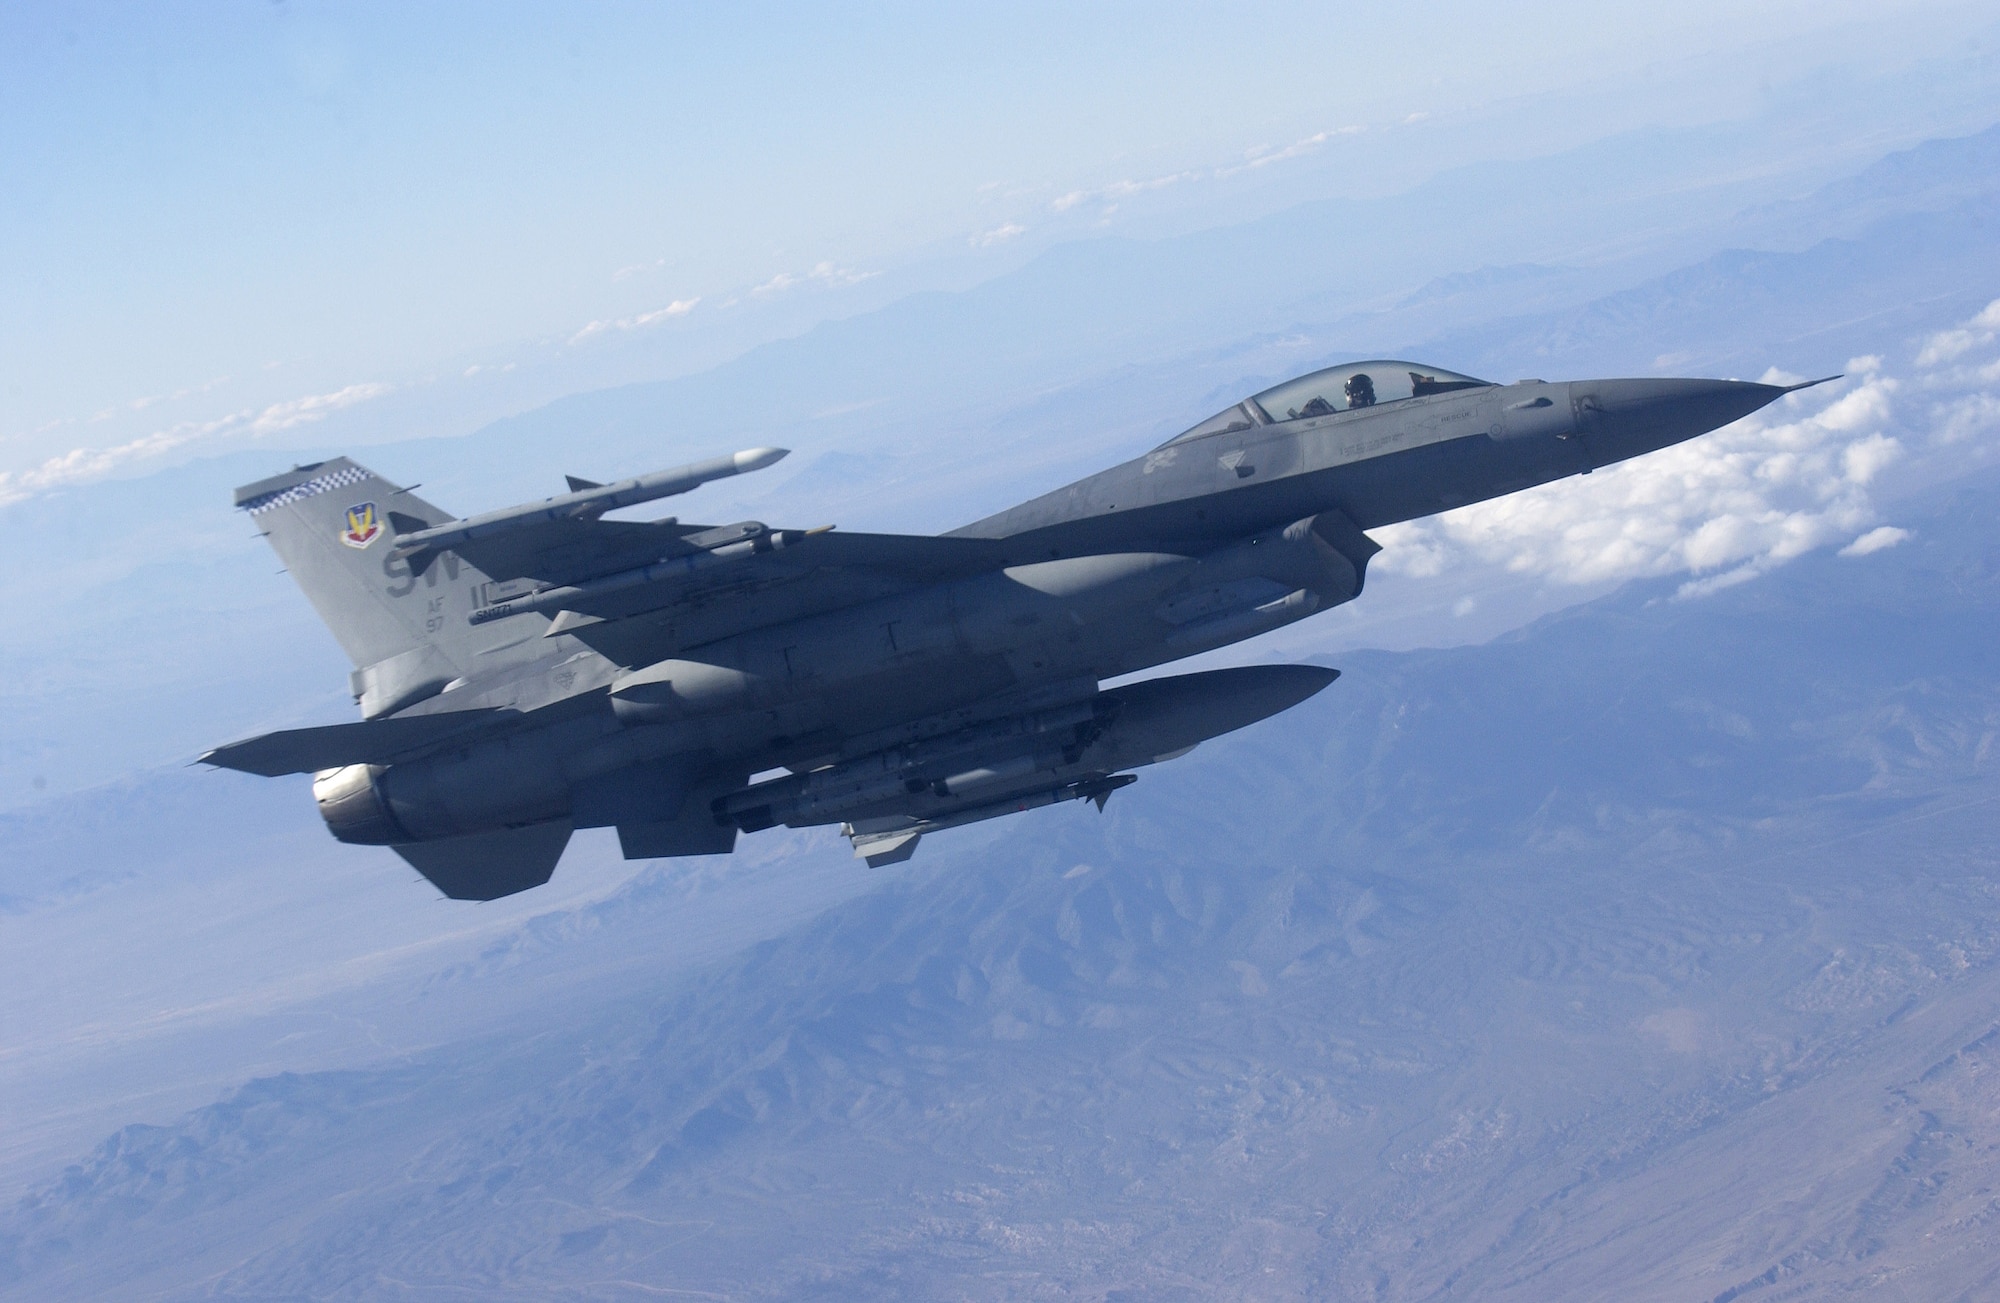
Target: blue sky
(231,218)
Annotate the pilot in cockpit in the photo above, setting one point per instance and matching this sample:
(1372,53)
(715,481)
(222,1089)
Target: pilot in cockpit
(1360,390)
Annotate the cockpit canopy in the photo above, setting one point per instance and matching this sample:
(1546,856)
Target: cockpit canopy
(1336,389)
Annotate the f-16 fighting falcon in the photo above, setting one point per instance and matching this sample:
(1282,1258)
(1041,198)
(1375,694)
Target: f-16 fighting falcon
(538,669)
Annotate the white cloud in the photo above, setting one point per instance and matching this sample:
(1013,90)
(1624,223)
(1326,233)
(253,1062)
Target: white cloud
(1882,536)
(1949,345)
(678,308)
(999,234)
(826,274)
(47,426)
(1965,412)
(1264,155)
(1724,507)
(1255,156)
(1944,346)
(80,465)
(1860,462)
(1742,574)
(313,407)
(1968,416)
(1120,190)
(145,401)
(626,273)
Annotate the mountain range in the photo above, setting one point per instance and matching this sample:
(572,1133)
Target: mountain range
(1649,950)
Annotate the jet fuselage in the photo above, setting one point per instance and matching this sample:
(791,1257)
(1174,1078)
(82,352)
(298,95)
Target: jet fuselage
(907,685)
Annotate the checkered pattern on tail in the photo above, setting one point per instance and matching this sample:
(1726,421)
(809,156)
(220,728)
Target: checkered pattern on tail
(339,479)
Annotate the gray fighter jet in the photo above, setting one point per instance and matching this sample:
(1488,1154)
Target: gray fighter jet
(538,669)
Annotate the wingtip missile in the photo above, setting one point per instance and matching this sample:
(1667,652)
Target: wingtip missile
(756,459)
(587,501)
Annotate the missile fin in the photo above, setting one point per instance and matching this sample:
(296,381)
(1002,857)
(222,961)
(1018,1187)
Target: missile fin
(889,847)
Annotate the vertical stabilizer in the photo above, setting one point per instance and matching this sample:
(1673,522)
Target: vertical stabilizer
(329,522)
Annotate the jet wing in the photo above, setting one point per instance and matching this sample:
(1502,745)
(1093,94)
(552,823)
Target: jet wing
(329,746)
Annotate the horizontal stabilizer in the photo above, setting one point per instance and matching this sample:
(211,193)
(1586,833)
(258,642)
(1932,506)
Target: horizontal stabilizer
(329,746)
(489,865)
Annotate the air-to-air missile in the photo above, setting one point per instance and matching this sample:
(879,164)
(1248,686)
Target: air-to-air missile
(537,669)
(586,500)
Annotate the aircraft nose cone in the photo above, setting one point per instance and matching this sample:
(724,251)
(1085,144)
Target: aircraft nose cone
(1623,418)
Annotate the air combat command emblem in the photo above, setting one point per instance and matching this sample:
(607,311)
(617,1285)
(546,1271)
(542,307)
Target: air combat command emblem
(363,526)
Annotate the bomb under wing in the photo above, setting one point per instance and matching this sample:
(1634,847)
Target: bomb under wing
(538,669)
